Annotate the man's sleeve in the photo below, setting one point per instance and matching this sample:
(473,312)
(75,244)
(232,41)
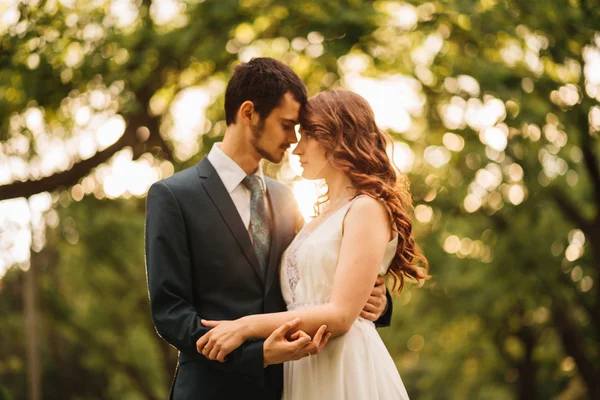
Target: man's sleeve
(386,318)
(168,268)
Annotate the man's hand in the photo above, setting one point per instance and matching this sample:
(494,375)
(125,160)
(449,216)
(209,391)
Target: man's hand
(222,339)
(377,303)
(278,349)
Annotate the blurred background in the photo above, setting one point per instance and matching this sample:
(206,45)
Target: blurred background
(494,109)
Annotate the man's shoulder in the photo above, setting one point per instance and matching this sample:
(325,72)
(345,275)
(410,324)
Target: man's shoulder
(181,181)
(278,185)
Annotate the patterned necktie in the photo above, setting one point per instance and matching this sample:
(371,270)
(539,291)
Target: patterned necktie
(259,220)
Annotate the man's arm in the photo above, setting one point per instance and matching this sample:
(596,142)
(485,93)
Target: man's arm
(385,319)
(170,285)
(379,306)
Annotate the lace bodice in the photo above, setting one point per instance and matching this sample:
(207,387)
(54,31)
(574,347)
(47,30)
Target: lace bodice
(309,263)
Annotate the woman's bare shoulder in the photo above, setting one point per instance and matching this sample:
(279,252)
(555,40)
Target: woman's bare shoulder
(367,210)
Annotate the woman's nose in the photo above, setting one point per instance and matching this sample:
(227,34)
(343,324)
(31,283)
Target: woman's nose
(298,149)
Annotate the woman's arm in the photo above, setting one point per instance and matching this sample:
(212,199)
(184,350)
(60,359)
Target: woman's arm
(366,234)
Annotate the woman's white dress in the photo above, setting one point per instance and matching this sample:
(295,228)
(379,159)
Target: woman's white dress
(353,366)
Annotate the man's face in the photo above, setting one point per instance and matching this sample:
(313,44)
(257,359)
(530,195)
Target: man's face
(272,136)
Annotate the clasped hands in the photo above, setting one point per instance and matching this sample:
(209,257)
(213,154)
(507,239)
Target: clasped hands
(280,346)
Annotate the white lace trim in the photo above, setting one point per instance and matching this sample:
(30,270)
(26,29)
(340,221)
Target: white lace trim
(292,262)
(305,304)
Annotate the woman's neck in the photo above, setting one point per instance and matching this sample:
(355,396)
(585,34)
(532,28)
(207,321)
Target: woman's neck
(339,186)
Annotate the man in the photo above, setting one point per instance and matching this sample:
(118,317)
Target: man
(214,237)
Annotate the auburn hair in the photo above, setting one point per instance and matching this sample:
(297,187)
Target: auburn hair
(344,124)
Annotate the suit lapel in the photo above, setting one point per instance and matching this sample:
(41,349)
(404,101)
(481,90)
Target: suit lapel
(280,224)
(223,202)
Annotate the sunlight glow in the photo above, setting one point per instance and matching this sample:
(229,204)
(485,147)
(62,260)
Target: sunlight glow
(514,172)
(394,99)
(586,284)
(516,194)
(34,120)
(169,12)
(594,117)
(307,193)
(403,16)
(424,213)
(188,116)
(125,177)
(451,244)
(453,142)
(9,15)
(472,203)
(402,156)
(573,252)
(495,138)
(490,177)
(591,55)
(110,131)
(437,156)
(23,226)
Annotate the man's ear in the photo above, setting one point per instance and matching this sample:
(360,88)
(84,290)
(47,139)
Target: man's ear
(246,112)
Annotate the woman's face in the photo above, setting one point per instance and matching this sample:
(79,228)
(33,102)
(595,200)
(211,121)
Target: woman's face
(312,157)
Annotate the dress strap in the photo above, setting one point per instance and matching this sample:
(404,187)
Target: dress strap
(349,206)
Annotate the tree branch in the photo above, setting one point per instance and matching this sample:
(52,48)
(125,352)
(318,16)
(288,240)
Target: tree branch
(589,159)
(73,174)
(567,207)
(155,139)
(572,345)
(526,365)
(590,306)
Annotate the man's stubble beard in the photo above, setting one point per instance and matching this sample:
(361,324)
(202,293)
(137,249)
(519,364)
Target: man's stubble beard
(257,133)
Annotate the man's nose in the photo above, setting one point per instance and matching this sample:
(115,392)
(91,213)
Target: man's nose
(293,137)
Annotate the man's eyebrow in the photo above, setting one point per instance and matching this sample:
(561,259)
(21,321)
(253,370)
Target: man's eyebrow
(291,121)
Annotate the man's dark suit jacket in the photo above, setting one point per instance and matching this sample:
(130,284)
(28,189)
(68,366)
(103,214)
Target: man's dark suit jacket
(201,264)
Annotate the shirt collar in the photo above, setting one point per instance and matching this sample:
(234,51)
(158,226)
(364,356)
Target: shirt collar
(229,171)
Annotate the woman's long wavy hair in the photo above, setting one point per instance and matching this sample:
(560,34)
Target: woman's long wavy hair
(343,122)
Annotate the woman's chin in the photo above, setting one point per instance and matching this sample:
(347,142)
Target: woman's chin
(307,176)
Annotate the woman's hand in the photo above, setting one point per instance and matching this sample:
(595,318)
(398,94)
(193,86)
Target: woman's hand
(222,339)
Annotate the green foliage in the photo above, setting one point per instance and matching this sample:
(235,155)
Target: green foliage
(97,338)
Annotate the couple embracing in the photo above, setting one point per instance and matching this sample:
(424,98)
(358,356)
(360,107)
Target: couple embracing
(259,304)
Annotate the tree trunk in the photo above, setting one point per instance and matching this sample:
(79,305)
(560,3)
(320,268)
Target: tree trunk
(31,331)
(527,367)
(572,345)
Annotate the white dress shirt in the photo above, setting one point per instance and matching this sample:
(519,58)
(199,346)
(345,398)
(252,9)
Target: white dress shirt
(232,175)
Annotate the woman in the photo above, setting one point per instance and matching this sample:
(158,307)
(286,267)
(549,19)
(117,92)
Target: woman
(327,271)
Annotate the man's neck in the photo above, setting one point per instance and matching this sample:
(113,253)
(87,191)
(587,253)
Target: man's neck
(240,151)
